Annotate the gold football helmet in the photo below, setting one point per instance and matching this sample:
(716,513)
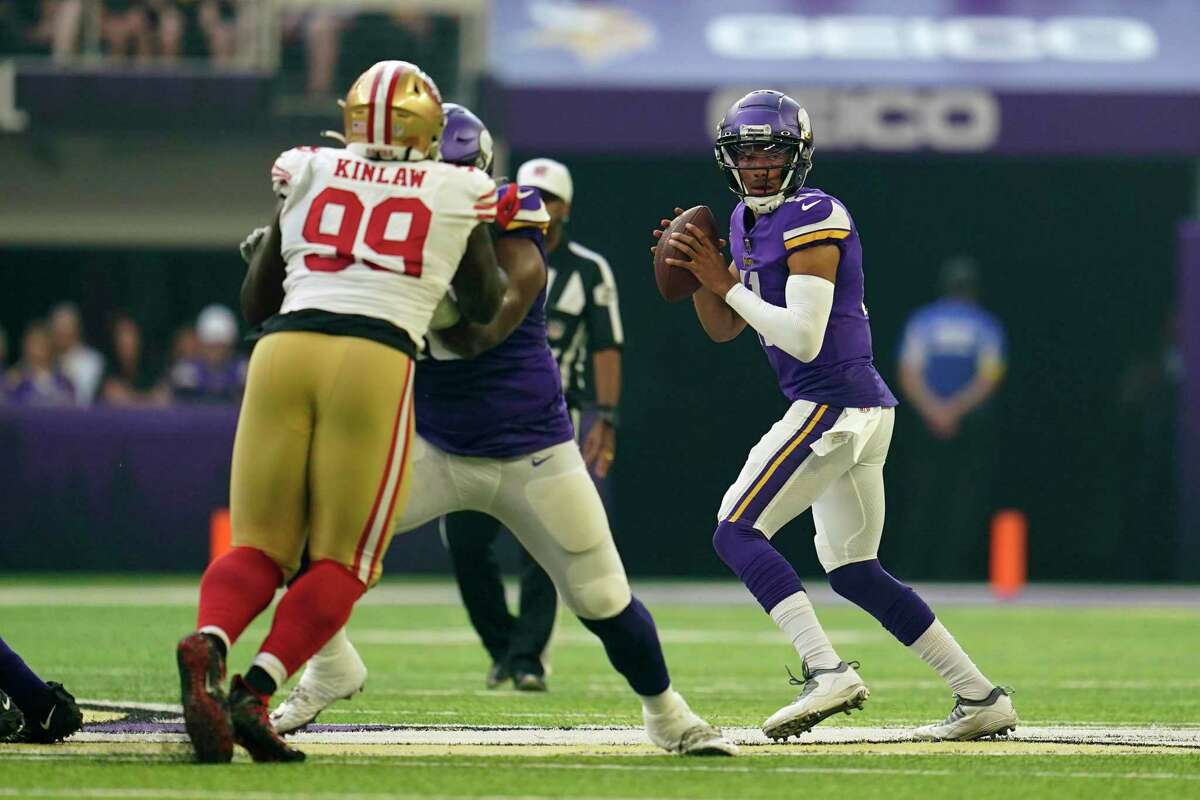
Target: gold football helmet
(396,109)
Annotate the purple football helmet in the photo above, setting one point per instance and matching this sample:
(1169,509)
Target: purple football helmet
(767,121)
(466,140)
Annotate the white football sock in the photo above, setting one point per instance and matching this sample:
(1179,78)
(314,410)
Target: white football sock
(795,617)
(332,654)
(213,630)
(661,703)
(273,667)
(938,649)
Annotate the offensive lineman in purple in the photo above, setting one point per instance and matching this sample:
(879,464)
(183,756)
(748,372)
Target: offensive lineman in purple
(797,279)
(506,401)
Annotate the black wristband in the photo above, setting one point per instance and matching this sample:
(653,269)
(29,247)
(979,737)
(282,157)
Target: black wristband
(608,414)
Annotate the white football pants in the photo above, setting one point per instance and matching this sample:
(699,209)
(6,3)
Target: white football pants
(548,501)
(837,470)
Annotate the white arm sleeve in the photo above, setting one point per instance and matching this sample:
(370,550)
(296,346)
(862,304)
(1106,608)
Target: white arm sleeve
(798,329)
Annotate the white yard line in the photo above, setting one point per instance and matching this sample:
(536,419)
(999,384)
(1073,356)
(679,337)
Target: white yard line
(596,736)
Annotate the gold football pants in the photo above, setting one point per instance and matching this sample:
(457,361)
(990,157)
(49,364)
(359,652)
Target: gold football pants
(321,453)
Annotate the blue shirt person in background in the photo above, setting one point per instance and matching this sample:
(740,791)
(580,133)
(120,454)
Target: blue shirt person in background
(952,361)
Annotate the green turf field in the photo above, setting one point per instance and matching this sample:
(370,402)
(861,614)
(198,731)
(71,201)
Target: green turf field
(1105,669)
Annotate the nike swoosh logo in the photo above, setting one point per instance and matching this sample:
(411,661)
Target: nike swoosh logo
(523,193)
(46,723)
(807,206)
(537,462)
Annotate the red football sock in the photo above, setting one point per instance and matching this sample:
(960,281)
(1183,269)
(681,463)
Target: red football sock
(236,588)
(315,607)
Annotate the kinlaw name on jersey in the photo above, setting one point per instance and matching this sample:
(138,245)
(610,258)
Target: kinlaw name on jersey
(378,238)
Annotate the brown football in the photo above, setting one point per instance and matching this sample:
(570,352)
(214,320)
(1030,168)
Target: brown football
(676,283)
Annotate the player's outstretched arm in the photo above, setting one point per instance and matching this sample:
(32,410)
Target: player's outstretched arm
(522,262)
(262,288)
(478,283)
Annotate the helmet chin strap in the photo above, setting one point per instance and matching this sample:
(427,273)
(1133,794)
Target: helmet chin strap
(763,205)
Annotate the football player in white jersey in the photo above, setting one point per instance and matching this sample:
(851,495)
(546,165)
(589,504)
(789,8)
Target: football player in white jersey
(494,436)
(365,242)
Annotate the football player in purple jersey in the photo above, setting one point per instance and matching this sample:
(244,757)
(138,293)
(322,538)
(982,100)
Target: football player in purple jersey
(797,280)
(494,436)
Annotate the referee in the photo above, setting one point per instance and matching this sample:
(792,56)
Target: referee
(583,324)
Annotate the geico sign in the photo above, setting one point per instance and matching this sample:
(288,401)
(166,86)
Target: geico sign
(895,120)
(975,38)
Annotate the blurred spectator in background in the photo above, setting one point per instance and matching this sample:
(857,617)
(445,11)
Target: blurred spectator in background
(36,380)
(39,26)
(952,359)
(321,32)
(216,374)
(125,29)
(184,344)
(82,365)
(128,382)
(142,28)
(218,21)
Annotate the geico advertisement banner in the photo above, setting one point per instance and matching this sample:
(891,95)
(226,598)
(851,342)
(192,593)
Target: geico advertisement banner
(868,119)
(1103,45)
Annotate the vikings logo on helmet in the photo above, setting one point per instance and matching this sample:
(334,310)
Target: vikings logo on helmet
(466,140)
(395,110)
(767,122)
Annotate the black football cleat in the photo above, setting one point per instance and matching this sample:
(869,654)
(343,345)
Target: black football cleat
(205,711)
(252,727)
(52,717)
(497,675)
(11,719)
(529,682)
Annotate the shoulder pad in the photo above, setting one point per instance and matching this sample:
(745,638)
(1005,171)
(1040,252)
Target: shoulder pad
(521,207)
(813,217)
(479,186)
(287,168)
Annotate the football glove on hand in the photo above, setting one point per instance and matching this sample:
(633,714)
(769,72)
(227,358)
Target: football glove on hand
(252,242)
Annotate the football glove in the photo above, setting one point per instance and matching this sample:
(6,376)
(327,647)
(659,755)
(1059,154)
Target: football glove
(252,242)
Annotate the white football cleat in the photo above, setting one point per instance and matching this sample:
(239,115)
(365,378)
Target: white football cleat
(682,731)
(994,715)
(329,677)
(826,692)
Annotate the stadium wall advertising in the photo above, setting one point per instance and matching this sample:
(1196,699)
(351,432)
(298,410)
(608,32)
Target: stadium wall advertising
(1086,78)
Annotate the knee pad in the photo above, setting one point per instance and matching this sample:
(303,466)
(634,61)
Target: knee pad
(732,542)
(600,598)
(867,584)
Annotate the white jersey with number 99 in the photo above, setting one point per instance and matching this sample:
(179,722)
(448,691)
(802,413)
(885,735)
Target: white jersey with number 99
(378,238)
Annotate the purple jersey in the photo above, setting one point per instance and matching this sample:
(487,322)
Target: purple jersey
(843,374)
(195,380)
(50,388)
(508,401)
